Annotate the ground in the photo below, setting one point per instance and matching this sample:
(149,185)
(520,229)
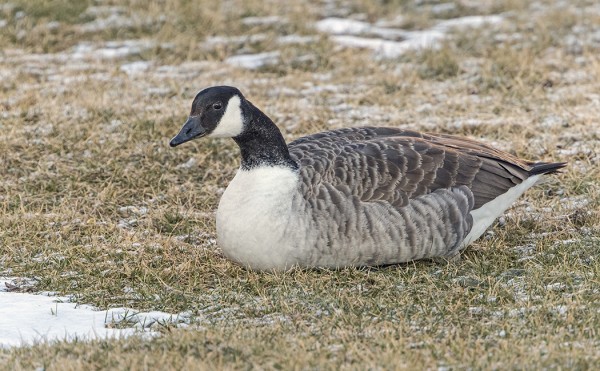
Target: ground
(94,204)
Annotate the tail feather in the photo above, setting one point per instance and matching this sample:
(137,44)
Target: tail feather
(546,167)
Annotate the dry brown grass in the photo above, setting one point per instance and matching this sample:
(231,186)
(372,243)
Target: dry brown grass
(82,139)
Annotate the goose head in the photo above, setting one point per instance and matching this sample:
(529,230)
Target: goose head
(217,112)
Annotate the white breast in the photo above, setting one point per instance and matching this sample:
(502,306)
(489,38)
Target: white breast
(254,214)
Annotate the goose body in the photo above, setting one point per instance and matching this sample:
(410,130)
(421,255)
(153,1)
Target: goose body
(355,196)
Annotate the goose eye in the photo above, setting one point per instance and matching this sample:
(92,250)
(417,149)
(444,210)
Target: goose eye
(217,106)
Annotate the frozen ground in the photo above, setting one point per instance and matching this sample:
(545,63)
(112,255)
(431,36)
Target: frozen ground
(388,42)
(27,319)
(94,201)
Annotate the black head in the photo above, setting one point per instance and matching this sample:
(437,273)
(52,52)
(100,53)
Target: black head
(216,112)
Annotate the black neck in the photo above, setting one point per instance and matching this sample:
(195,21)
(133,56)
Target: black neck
(261,143)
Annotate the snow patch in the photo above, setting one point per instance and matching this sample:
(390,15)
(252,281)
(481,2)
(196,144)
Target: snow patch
(337,26)
(135,210)
(473,21)
(296,39)
(27,318)
(110,50)
(253,61)
(394,42)
(443,8)
(188,164)
(214,42)
(136,67)
(390,49)
(113,21)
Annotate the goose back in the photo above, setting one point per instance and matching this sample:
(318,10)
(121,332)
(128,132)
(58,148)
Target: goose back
(397,165)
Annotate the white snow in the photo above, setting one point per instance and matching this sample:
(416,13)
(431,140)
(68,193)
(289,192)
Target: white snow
(214,41)
(188,164)
(296,39)
(113,21)
(338,26)
(26,319)
(475,310)
(136,67)
(110,50)
(392,49)
(137,210)
(443,8)
(468,22)
(253,61)
(104,11)
(558,286)
(390,42)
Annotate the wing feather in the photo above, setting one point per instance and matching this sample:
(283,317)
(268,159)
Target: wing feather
(395,165)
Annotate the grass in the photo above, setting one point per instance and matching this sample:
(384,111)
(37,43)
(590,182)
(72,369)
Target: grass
(53,10)
(438,64)
(94,203)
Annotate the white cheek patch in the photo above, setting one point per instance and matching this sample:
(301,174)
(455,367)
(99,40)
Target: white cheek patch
(232,123)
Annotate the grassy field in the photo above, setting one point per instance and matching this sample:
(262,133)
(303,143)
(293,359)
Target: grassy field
(94,203)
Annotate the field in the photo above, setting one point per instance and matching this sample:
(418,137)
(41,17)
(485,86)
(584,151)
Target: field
(96,205)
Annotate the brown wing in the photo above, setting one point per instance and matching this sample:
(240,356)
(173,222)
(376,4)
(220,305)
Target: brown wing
(396,165)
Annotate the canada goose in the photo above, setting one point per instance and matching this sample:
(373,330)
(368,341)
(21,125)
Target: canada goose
(352,197)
